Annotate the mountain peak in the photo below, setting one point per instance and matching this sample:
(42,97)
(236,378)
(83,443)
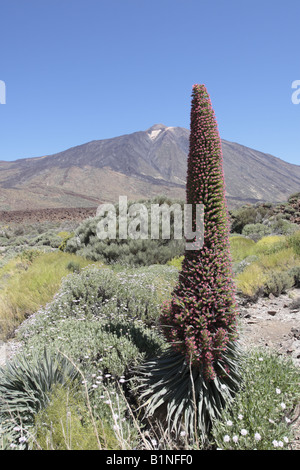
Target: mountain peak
(156,127)
(142,164)
(155,130)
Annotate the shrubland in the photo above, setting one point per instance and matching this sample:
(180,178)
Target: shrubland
(28,281)
(261,219)
(84,320)
(140,252)
(270,266)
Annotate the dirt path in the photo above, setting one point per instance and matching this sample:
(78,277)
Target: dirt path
(273,323)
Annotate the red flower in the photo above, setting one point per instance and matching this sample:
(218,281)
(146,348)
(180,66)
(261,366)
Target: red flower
(202,313)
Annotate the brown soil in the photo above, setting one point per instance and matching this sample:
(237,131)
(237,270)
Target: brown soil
(43,215)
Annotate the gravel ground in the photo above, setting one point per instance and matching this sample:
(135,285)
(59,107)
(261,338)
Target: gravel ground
(273,323)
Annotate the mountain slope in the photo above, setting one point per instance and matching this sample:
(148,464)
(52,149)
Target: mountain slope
(142,164)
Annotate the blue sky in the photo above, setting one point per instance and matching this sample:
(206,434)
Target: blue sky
(80,70)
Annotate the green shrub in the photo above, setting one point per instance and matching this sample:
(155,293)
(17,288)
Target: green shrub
(281,260)
(3,241)
(249,215)
(18,241)
(240,266)
(241,217)
(24,389)
(47,239)
(251,281)
(140,252)
(98,291)
(294,273)
(278,283)
(97,314)
(258,417)
(269,273)
(65,236)
(19,230)
(256,231)
(280,226)
(73,266)
(294,242)
(147,341)
(176,262)
(270,244)
(31,285)
(29,255)
(241,247)
(294,198)
(112,345)
(65,424)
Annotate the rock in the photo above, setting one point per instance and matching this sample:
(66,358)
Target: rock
(295,332)
(293,294)
(295,304)
(272,312)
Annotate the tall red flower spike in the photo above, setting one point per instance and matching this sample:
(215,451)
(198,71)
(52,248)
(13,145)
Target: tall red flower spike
(200,320)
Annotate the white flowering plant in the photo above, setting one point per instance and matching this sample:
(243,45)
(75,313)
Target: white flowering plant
(259,418)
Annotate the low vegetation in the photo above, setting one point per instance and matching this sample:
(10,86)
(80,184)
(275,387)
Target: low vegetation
(29,281)
(143,252)
(260,416)
(270,266)
(83,324)
(282,218)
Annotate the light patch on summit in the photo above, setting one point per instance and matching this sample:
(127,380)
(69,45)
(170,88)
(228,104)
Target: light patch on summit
(153,134)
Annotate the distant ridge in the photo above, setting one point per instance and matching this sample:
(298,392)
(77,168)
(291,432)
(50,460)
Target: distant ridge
(139,165)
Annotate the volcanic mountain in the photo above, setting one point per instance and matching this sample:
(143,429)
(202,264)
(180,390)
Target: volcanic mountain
(138,165)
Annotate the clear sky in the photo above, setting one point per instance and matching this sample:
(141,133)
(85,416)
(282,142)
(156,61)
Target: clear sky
(81,70)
